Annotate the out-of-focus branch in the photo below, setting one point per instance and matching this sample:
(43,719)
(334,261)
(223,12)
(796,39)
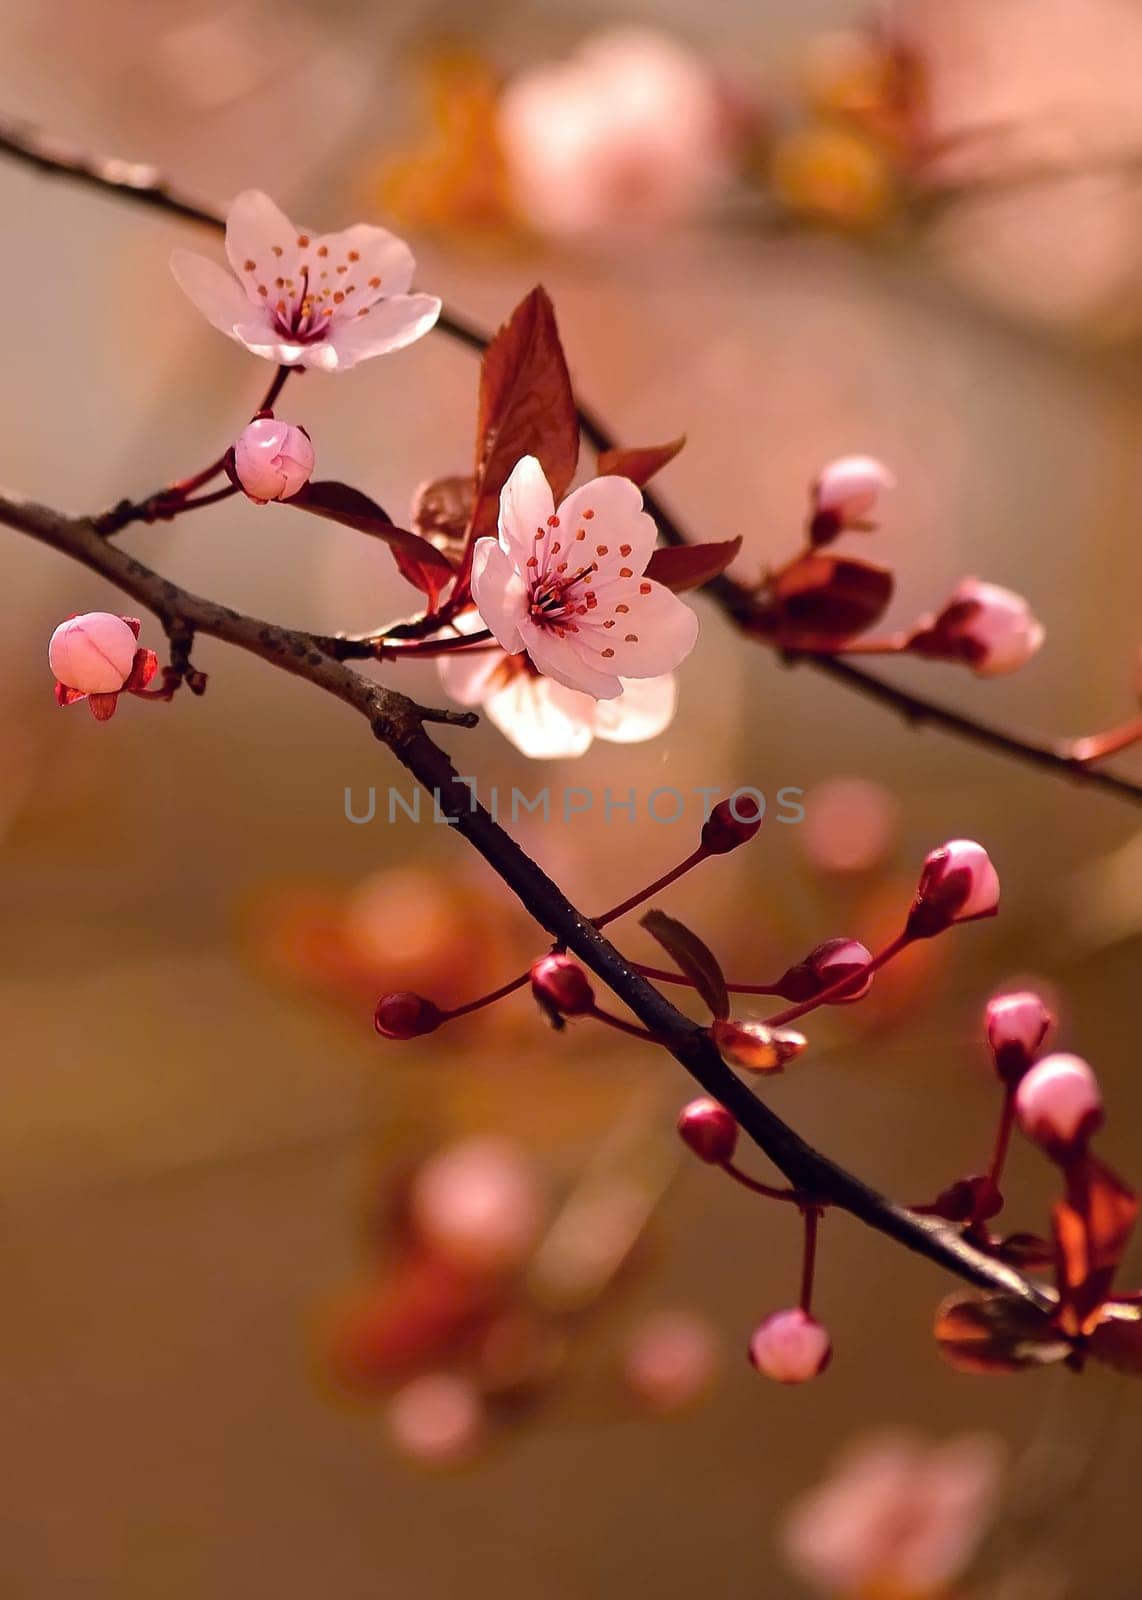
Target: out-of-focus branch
(144,185)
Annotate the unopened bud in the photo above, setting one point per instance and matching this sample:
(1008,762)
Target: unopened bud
(732,822)
(845,494)
(755,1047)
(709,1130)
(825,967)
(1017,1025)
(990,629)
(94,653)
(560,985)
(403,1015)
(272,459)
(790,1347)
(957,884)
(1059,1105)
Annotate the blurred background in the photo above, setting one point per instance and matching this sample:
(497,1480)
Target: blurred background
(253,1343)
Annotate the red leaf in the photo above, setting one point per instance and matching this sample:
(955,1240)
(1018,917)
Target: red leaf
(639,463)
(694,958)
(143,669)
(1117,1339)
(420,562)
(993,1333)
(442,510)
(689,566)
(1092,1229)
(103,706)
(527,407)
(833,596)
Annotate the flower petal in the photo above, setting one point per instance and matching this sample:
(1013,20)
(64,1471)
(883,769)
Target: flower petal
(650,637)
(388,325)
(541,725)
(643,710)
(370,261)
(261,242)
(606,520)
(526,503)
(472,676)
(212,289)
(565,661)
(499,593)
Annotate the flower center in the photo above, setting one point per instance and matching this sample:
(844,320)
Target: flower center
(558,597)
(301,318)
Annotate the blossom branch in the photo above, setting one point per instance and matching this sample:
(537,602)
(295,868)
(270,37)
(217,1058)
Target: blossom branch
(399,723)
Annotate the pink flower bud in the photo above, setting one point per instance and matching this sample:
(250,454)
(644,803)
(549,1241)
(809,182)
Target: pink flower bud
(845,494)
(989,628)
(403,1015)
(708,1129)
(94,653)
(1017,1025)
(790,1347)
(272,459)
(826,966)
(560,985)
(732,822)
(1058,1104)
(957,884)
(479,1205)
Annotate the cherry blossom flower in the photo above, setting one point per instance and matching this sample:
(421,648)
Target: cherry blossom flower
(272,459)
(1059,1104)
(96,657)
(845,494)
(631,131)
(567,586)
(304,299)
(897,1517)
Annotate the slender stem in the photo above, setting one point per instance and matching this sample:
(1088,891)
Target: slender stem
(1002,1138)
(812,1218)
(630,1028)
(488,999)
(654,888)
(732,1170)
(1097,746)
(842,986)
(661,975)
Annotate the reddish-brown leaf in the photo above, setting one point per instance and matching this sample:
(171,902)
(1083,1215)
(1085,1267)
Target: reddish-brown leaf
(693,958)
(425,567)
(993,1333)
(527,407)
(1092,1228)
(442,510)
(833,597)
(638,463)
(688,566)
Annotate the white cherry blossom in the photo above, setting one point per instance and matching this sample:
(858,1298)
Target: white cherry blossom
(305,299)
(568,586)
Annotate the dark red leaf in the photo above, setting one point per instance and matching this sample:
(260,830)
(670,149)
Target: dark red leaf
(527,407)
(993,1333)
(639,463)
(420,562)
(688,566)
(693,958)
(442,510)
(831,596)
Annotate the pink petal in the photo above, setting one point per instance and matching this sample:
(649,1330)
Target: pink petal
(255,229)
(617,534)
(262,338)
(643,710)
(566,662)
(499,593)
(216,294)
(651,638)
(530,713)
(389,325)
(469,677)
(366,253)
(526,504)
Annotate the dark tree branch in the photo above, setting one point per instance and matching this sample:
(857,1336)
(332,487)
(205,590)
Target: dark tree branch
(145,186)
(399,724)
